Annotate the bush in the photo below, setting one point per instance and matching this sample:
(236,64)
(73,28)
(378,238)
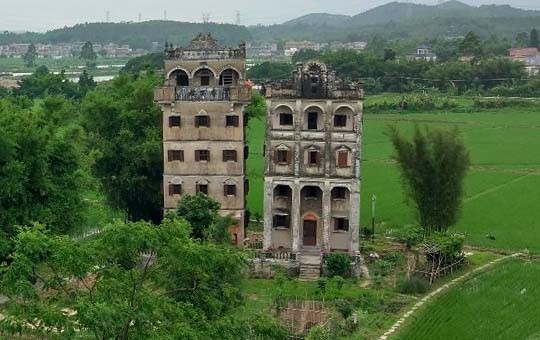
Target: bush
(413,285)
(338,265)
(410,236)
(345,308)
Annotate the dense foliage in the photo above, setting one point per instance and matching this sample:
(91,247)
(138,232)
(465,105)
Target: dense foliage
(338,264)
(433,165)
(40,165)
(148,62)
(270,71)
(134,281)
(124,128)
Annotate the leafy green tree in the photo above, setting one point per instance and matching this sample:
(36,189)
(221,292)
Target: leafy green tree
(389,54)
(86,83)
(200,211)
(270,71)
(40,160)
(123,123)
(257,107)
(433,166)
(522,39)
(42,83)
(305,55)
(30,56)
(534,41)
(148,62)
(471,46)
(87,52)
(133,281)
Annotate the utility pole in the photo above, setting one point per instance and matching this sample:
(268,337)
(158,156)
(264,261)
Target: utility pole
(373,204)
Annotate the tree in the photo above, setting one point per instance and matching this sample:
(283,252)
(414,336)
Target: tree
(522,39)
(43,83)
(471,46)
(200,211)
(86,83)
(87,52)
(123,123)
(40,161)
(30,56)
(389,54)
(433,165)
(534,41)
(257,107)
(133,281)
(270,71)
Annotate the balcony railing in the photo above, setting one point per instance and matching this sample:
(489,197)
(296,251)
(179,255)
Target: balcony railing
(202,94)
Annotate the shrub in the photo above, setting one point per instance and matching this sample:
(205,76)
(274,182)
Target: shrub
(413,285)
(338,265)
(339,281)
(410,235)
(319,333)
(345,308)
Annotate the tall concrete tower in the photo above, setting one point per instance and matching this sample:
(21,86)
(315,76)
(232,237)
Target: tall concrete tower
(203,100)
(313,157)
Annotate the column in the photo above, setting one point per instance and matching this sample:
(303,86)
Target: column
(295,217)
(354,220)
(326,215)
(268,216)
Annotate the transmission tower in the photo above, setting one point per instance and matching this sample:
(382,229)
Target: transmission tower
(165,15)
(238,19)
(140,16)
(206,18)
(107,15)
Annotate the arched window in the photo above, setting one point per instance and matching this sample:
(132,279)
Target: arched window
(180,78)
(229,77)
(282,155)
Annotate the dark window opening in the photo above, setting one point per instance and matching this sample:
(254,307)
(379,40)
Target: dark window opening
(202,156)
(227,78)
(229,156)
(232,121)
(176,155)
(202,188)
(313,158)
(285,119)
(311,192)
(282,157)
(341,224)
(282,191)
(174,121)
(281,221)
(175,189)
(205,80)
(229,190)
(340,120)
(181,79)
(202,121)
(312,120)
(339,193)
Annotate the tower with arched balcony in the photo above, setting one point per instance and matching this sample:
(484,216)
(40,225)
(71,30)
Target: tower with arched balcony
(203,99)
(313,162)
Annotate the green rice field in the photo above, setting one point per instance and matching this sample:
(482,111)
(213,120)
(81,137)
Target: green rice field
(502,189)
(501,303)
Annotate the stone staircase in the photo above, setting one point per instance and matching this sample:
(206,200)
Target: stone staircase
(310,266)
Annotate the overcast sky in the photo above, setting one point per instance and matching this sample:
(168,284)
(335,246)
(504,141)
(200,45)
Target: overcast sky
(41,15)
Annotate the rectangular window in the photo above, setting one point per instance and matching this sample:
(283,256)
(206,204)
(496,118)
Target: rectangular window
(202,188)
(232,121)
(281,221)
(202,121)
(312,120)
(202,156)
(343,159)
(229,190)
(175,155)
(313,158)
(229,156)
(339,193)
(340,120)
(341,224)
(175,189)
(174,121)
(282,157)
(205,80)
(285,119)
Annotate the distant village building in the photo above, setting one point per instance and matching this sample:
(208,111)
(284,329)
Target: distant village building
(64,50)
(424,52)
(262,50)
(313,160)
(204,140)
(529,56)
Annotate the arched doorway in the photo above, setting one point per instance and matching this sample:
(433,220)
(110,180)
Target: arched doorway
(180,78)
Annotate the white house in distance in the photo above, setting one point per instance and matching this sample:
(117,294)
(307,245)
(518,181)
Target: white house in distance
(529,56)
(424,52)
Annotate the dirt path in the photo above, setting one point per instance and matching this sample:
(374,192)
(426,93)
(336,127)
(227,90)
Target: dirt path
(438,291)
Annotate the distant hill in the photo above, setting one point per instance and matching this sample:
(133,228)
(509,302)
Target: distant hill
(320,19)
(137,35)
(405,20)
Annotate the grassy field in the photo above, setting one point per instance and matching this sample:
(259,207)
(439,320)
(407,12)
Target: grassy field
(17,65)
(502,187)
(498,304)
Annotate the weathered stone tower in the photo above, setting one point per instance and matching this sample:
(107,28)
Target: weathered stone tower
(313,158)
(202,100)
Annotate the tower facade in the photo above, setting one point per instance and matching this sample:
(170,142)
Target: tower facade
(203,100)
(313,162)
